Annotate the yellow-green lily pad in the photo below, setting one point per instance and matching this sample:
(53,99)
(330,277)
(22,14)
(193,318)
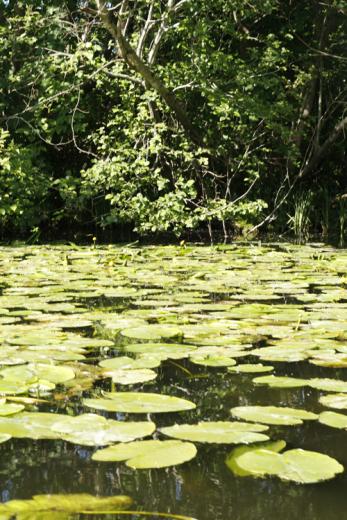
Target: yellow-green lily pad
(152,332)
(148,454)
(338,401)
(250,368)
(95,430)
(333,419)
(300,466)
(72,503)
(131,377)
(273,414)
(220,432)
(139,402)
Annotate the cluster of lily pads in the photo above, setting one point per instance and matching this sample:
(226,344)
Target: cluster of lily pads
(80,324)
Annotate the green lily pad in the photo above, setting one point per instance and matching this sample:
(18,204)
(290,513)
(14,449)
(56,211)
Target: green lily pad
(329,359)
(333,419)
(73,503)
(95,430)
(56,374)
(300,466)
(152,332)
(131,377)
(117,363)
(232,458)
(137,402)
(273,414)
(213,361)
(220,432)
(280,382)
(9,408)
(329,385)
(12,388)
(32,425)
(148,454)
(249,368)
(162,350)
(231,351)
(125,363)
(280,354)
(338,401)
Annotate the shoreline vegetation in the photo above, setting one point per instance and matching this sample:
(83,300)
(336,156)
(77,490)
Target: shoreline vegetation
(172,120)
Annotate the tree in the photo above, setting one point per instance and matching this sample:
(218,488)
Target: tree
(172,115)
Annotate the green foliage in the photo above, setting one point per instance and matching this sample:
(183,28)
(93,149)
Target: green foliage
(84,139)
(23,185)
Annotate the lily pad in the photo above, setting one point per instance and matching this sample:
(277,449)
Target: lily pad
(95,430)
(273,414)
(137,402)
(162,350)
(74,503)
(249,368)
(333,419)
(32,425)
(281,382)
(213,361)
(56,374)
(329,385)
(12,388)
(232,458)
(300,466)
(220,432)
(152,332)
(148,454)
(338,401)
(131,377)
(10,408)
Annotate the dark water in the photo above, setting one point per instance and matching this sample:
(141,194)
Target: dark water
(203,488)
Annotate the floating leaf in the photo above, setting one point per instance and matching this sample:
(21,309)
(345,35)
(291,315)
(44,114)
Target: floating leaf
(95,430)
(329,385)
(32,425)
(73,503)
(117,363)
(161,350)
(231,460)
(249,368)
(301,466)
(221,432)
(335,420)
(148,454)
(10,408)
(12,388)
(329,360)
(137,402)
(338,401)
(131,377)
(213,361)
(152,332)
(273,414)
(281,382)
(54,373)
(280,354)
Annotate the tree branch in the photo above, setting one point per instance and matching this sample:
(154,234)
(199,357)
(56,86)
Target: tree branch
(323,150)
(146,28)
(130,56)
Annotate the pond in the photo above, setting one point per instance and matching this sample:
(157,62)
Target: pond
(192,381)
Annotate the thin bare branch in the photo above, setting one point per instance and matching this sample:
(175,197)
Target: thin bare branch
(146,29)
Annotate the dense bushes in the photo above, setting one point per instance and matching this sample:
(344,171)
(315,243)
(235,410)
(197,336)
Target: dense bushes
(241,117)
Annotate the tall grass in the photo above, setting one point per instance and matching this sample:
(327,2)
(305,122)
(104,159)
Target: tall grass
(300,220)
